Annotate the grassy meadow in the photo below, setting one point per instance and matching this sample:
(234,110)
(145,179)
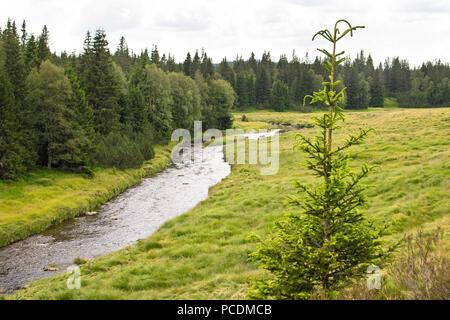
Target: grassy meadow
(47,197)
(203,253)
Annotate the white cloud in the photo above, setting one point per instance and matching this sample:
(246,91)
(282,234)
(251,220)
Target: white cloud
(413,29)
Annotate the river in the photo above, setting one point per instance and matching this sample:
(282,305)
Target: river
(135,214)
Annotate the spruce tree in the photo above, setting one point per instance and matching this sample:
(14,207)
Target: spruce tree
(242,91)
(262,88)
(207,67)
(353,87)
(12,152)
(43,48)
(171,64)
(227,72)
(145,58)
(14,64)
(83,113)
(330,241)
(279,96)
(135,116)
(187,65)
(195,64)
(122,55)
(376,91)
(24,36)
(251,89)
(155,58)
(306,82)
(252,63)
(370,69)
(99,82)
(283,69)
(363,92)
(31,55)
(239,65)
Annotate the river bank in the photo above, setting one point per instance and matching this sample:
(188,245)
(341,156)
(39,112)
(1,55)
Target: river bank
(133,215)
(45,198)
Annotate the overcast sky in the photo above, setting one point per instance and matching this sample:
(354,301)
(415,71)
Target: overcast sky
(417,30)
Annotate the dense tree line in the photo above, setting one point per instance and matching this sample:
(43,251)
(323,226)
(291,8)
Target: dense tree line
(76,111)
(283,85)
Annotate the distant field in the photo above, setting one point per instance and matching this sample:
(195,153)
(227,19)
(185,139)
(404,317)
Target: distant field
(203,253)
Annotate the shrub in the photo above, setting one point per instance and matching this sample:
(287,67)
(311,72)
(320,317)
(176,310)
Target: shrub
(117,150)
(421,271)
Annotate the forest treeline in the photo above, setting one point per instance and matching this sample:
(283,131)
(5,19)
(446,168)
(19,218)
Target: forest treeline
(97,108)
(94,108)
(282,85)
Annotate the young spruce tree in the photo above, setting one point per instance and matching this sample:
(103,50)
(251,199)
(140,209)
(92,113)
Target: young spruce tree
(330,241)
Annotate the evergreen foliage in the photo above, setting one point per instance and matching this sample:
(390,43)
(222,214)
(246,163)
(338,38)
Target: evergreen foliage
(100,83)
(330,241)
(226,72)
(376,91)
(279,96)
(61,140)
(12,153)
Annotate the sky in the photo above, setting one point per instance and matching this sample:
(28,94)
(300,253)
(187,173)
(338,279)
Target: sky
(415,30)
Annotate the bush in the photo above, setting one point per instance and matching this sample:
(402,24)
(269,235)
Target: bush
(117,150)
(144,143)
(420,272)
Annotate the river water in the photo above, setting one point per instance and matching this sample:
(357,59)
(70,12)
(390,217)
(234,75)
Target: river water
(134,215)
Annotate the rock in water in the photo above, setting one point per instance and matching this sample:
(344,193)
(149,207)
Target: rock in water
(51,268)
(114,218)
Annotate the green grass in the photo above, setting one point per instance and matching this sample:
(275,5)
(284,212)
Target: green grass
(203,253)
(47,197)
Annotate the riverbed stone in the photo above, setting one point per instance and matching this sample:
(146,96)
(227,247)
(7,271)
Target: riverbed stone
(51,268)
